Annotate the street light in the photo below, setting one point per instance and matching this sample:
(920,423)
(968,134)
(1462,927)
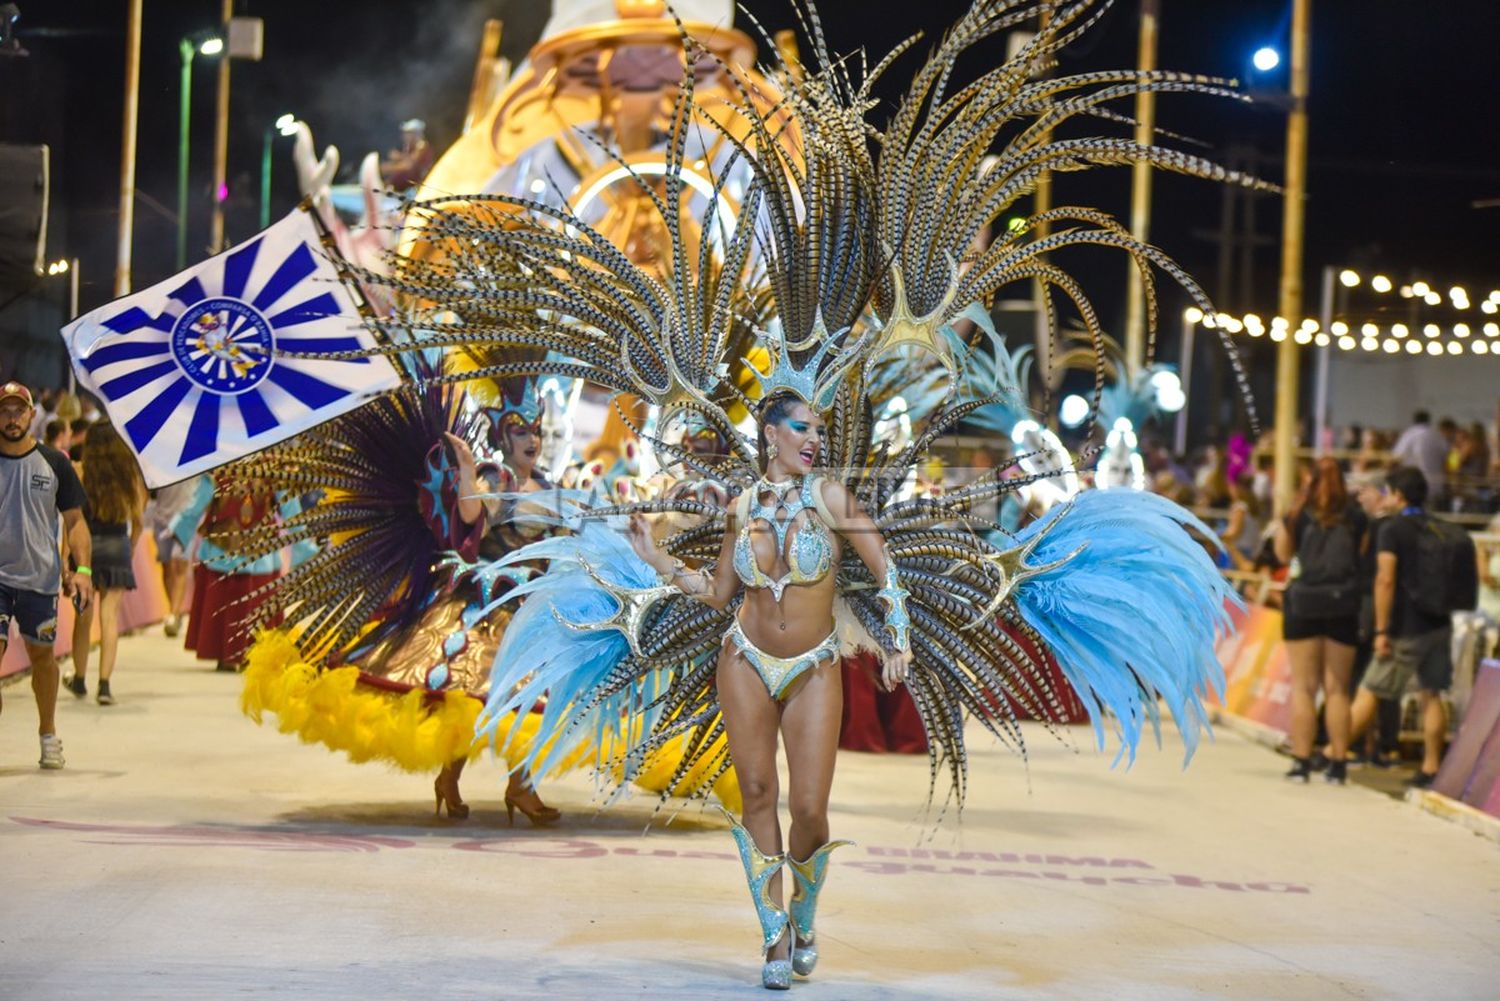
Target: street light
(287,126)
(207,45)
(67,266)
(1266,59)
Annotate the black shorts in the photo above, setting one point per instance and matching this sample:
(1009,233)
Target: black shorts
(35,615)
(1342,629)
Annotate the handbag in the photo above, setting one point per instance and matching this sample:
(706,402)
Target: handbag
(1322,601)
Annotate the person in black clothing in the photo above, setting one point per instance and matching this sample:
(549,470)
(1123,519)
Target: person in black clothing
(114,497)
(1320,537)
(1408,641)
(1375,500)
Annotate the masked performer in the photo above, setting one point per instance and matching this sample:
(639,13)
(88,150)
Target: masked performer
(838,250)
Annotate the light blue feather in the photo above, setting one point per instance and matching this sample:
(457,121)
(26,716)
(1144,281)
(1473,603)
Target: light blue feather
(1003,373)
(1134,615)
(542,660)
(1131,396)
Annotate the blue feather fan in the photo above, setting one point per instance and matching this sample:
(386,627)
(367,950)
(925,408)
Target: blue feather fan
(1133,616)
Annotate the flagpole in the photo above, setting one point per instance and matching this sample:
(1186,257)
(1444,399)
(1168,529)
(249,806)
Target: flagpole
(127,148)
(340,263)
(221,136)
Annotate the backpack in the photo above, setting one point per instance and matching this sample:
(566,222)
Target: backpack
(1328,554)
(1447,574)
(1327,584)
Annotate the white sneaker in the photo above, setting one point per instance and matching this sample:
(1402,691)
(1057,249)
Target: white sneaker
(52,756)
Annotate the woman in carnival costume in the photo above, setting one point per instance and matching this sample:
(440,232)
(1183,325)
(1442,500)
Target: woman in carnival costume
(386,658)
(839,250)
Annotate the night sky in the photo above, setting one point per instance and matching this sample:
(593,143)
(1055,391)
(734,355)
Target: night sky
(1402,135)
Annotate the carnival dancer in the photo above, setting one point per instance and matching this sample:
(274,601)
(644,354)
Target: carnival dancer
(836,252)
(386,659)
(778,669)
(227,591)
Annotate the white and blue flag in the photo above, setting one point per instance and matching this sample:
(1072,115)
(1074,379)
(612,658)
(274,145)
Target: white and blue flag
(194,371)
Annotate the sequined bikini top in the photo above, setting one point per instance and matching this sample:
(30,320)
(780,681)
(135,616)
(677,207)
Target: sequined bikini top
(809,557)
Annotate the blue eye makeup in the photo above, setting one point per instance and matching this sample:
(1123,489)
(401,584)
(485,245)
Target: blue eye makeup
(798,426)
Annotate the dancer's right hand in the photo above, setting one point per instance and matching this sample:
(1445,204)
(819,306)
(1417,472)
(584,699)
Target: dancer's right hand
(641,539)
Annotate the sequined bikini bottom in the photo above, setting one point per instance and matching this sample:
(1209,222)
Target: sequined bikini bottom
(778,673)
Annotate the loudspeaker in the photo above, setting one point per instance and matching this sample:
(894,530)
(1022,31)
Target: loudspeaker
(23,210)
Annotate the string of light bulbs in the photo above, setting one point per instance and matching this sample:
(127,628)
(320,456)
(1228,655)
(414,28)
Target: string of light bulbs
(1428,338)
(1458,296)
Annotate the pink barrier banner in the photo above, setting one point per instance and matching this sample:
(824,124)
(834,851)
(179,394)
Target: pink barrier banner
(1471,768)
(145,606)
(1257,677)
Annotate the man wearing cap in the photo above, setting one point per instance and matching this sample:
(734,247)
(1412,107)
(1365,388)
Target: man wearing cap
(37,484)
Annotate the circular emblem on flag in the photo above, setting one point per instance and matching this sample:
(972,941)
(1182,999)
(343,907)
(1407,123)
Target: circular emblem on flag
(223,345)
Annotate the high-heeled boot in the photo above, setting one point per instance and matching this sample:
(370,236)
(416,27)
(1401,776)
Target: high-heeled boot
(809,876)
(776,974)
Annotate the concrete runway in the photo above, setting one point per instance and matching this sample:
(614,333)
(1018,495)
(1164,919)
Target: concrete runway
(186,853)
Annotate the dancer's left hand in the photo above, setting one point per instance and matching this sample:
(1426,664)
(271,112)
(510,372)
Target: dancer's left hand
(894,669)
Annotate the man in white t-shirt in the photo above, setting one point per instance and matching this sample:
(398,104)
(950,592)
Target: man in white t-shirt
(1424,447)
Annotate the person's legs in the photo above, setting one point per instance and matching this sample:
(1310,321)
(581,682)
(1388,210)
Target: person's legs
(445,788)
(108,601)
(1434,730)
(174,573)
(1361,711)
(83,638)
(751,720)
(1434,655)
(44,677)
(1305,657)
(1338,665)
(810,731)
(521,794)
(1388,712)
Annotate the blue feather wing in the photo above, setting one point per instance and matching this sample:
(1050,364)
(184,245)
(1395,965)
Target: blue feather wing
(1134,616)
(541,660)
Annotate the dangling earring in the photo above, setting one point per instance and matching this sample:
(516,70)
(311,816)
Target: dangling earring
(772,451)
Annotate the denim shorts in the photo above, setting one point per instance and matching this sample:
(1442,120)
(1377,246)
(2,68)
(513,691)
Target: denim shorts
(35,615)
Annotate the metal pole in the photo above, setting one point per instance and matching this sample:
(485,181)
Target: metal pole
(1042,203)
(127,147)
(184,123)
(1140,188)
(1290,299)
(1189,329)
(221,135)
(72,315)
(1320,390)
(265,180)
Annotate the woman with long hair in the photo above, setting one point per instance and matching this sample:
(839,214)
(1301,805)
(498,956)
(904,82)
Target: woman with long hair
(1321,538)
(115,497)
(1244,527)
(778,668)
